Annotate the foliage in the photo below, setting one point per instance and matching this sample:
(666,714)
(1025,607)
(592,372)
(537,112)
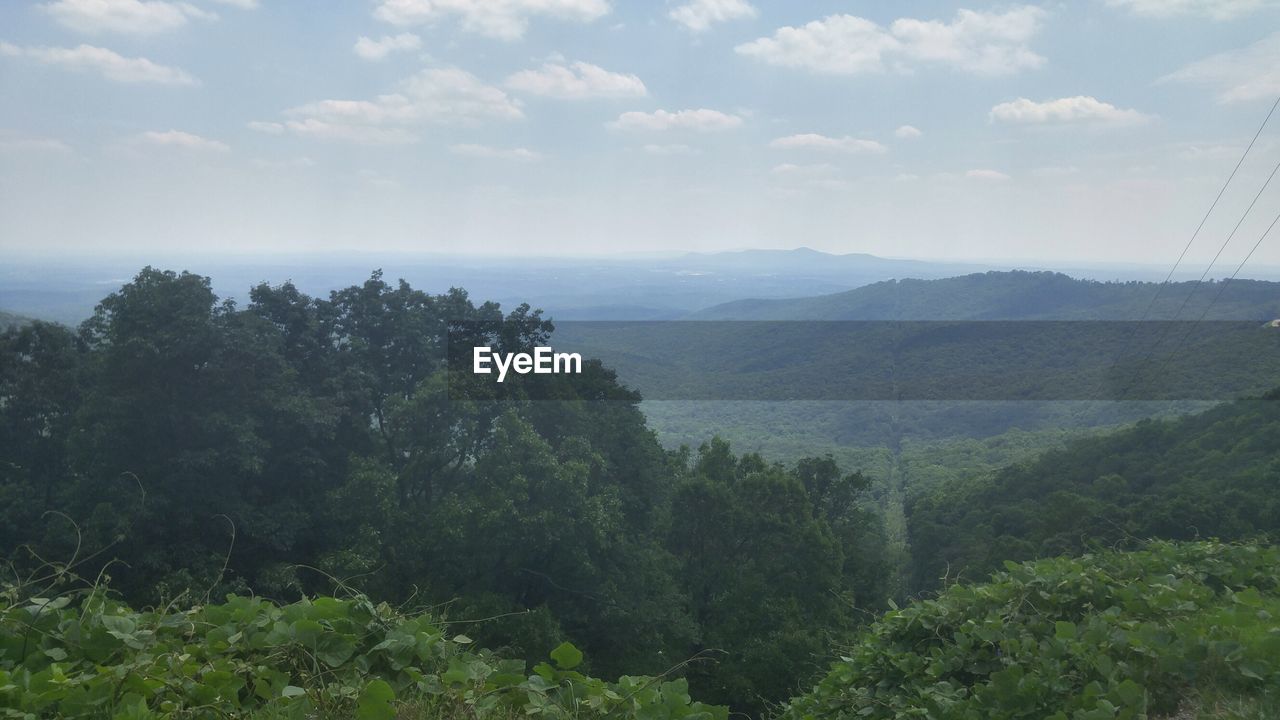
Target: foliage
(1213,474)
(776,563)
(1111,635)
(87,655)
(194,448)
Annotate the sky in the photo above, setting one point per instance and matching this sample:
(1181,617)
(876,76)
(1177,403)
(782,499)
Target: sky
(1082,131)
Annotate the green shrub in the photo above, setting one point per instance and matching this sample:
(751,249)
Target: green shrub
(85,655)
(1110,635)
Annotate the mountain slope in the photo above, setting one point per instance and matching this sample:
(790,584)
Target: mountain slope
(1015,295)
(1215,474)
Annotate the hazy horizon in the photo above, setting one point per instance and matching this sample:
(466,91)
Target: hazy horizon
(338,256)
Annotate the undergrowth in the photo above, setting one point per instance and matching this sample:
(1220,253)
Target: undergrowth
(1109,636)
(81,653)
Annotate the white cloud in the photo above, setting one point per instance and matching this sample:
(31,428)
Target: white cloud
(673,149)
(813,141)
(839,44)
(371,49)
(1215,9)
(345,132)
(386,109)
(701,119)
(179,139)
(985,43)
(108,64)
(14,143)
(492,153)
(1209,151)
(242,4)
(433,96)
(502,19)
(907,132)
(1251,73)
(270,128)
(130,17)
(580,80)
(700,15)
(989,175)
(1078,109)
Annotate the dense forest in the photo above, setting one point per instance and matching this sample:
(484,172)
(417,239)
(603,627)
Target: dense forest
(177,449)
(1213,474)
(941,361)
(187,447)
(1019,295)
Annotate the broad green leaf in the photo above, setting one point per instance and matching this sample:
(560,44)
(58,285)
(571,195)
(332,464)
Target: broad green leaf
(375,702)
(567,656)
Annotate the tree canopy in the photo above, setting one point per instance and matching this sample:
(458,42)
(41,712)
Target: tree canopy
(187,447)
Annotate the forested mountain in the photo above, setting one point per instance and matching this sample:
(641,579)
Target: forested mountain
(805,263)
(604,288)
(1017,295)
(853,429)
(1211,475)
(188,447)
(620,288)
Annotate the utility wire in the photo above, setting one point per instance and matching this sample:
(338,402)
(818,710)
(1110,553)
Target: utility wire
(1160,290)
(1230,237)
(1221,289)
(1165,331)
(1205,219)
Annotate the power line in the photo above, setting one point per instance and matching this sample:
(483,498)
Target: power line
(1160,290)
(1165,330)
(1234,230)
(1205,219)
(1221,289)
(1240,267)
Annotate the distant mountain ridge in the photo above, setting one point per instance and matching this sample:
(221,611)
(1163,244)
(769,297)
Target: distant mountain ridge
(808,260)
(1017,295)
(786,284)
(8,320)
(566,288)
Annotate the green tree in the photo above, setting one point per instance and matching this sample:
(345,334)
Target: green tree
(765,570)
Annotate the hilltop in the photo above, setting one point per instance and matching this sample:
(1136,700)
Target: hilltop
(1015,295)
